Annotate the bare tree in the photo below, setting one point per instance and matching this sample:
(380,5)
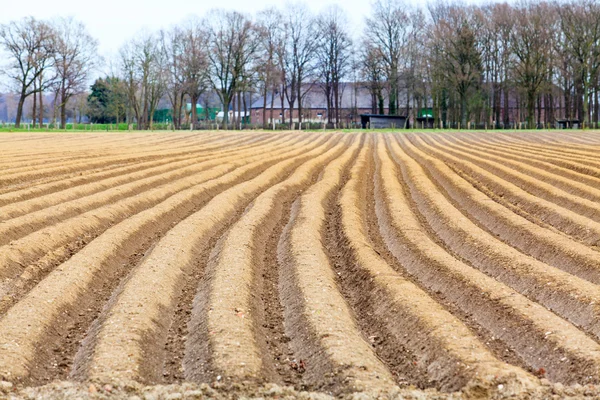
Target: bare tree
(373,73)
(232,43)
(387,30)
(498,23)
(494,63)
(334,57)
(144,70)
(580,23)
(29,44)
(414,67)
(269,71)
(173,43)
(531,40)
(75,57)
(298,55)
(455,53)
(195,64)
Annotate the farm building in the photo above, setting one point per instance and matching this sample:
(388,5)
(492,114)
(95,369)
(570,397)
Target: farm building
(355,99)
(378,121)
(567,123)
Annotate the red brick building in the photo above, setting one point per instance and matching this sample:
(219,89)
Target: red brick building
(355,99)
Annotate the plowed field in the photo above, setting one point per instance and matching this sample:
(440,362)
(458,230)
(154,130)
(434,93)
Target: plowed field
(227,264)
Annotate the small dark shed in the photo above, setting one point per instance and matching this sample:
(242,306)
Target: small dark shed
(424,123)
(567,123)
(377,121)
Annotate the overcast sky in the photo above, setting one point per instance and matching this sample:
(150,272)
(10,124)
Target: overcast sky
(114,21)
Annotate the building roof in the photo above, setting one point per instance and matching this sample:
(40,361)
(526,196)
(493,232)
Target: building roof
(351,94)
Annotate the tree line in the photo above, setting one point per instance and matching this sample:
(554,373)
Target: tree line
(57,56)
(495,64)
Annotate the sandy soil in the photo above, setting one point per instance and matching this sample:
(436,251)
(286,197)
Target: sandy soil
(300,265)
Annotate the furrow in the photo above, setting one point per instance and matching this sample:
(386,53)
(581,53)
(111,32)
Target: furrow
(324,335)
(567,139)
(544,341)
(576,172)
(229,285)
(557,207)
(549,176)
(538,209)
(42,189)
(58,206)
(110,157)
(27,348)
(554,155)
(122,160)
(56,241)
(540,242)
(12,164)
(451,357)
(569,296)
(49,142)
(72,167)
(99,146)
(137,322)
(34,170)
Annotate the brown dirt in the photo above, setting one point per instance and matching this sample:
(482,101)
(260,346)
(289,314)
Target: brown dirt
(110,244)
(358,291)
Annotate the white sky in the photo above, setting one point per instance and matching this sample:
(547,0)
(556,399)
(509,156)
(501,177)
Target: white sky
(112,22)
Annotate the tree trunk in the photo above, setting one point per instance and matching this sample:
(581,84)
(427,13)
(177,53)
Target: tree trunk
(63,108)
(41,108)
(567,103)
(539,107)
(463,110)
(265,93)
(392,101)
(408,105)
(145,116)
(244,118)
(579,102)
(299,97)
(63,115)
(272,104)
(281,97)
(497,105)
(336,93)
(585,105)
(174,106)
(239,109)
(373,103)
(138,116)
(226,101)
(179,111)
(34,109)
(291,107)
(506,108)
(530,109)
(596,108)
(330,112)
(194,119)
(549,108)
(54,109)
(20,109)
